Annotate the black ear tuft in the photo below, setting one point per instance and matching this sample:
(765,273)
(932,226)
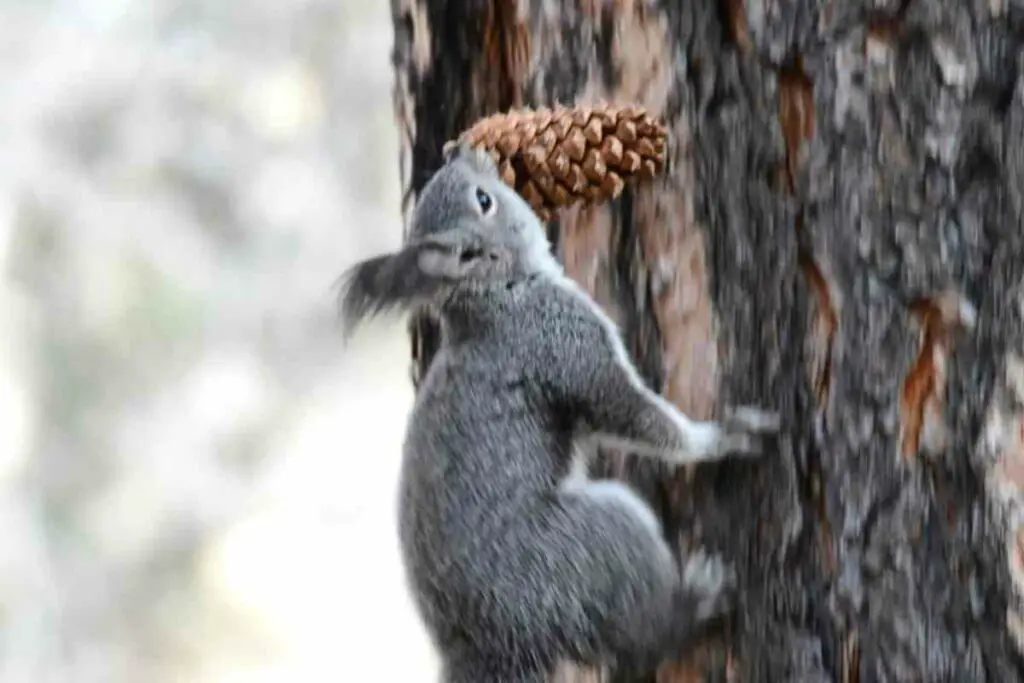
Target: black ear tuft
(477,158)
(452,150)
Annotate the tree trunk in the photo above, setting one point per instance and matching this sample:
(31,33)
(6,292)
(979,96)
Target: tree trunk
(838,237)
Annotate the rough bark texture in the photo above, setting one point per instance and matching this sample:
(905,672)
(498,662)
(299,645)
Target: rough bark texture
(839,237)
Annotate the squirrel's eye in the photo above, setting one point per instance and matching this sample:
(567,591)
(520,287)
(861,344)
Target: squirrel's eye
(485,201)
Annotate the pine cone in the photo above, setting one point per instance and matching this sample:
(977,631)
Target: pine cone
(555,158)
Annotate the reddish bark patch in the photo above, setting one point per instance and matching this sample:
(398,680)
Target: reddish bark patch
(924,386)
(736,26)
(641,53)
(796,114)
(851,659)
(585,247)
(922,382)
(886,28)
(498,80)
(823,327)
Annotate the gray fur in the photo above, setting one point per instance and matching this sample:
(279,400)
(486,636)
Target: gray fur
(515,560)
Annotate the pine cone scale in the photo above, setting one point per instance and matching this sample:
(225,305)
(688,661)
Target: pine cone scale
(575,144)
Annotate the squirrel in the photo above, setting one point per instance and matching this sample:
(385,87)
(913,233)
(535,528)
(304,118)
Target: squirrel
(515,559)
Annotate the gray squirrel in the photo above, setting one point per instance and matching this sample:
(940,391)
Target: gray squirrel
(515,559)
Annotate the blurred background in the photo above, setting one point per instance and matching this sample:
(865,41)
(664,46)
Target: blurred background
(197,479)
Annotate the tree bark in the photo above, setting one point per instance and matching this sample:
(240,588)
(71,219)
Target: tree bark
(838,237)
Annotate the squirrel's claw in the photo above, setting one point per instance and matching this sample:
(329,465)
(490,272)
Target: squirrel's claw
(743,429)
(752,420)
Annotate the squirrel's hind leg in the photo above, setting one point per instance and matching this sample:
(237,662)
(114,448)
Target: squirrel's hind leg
(664,610)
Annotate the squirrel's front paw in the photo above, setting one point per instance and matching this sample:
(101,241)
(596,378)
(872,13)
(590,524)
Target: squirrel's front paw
(752,420)
(742,431)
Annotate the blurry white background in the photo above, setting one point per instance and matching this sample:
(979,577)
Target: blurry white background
(197,479)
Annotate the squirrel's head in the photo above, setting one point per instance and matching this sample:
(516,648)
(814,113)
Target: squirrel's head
(469,231)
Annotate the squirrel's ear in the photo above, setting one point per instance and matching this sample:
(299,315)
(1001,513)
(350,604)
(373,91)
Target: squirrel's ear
(451,150)
(475,157)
